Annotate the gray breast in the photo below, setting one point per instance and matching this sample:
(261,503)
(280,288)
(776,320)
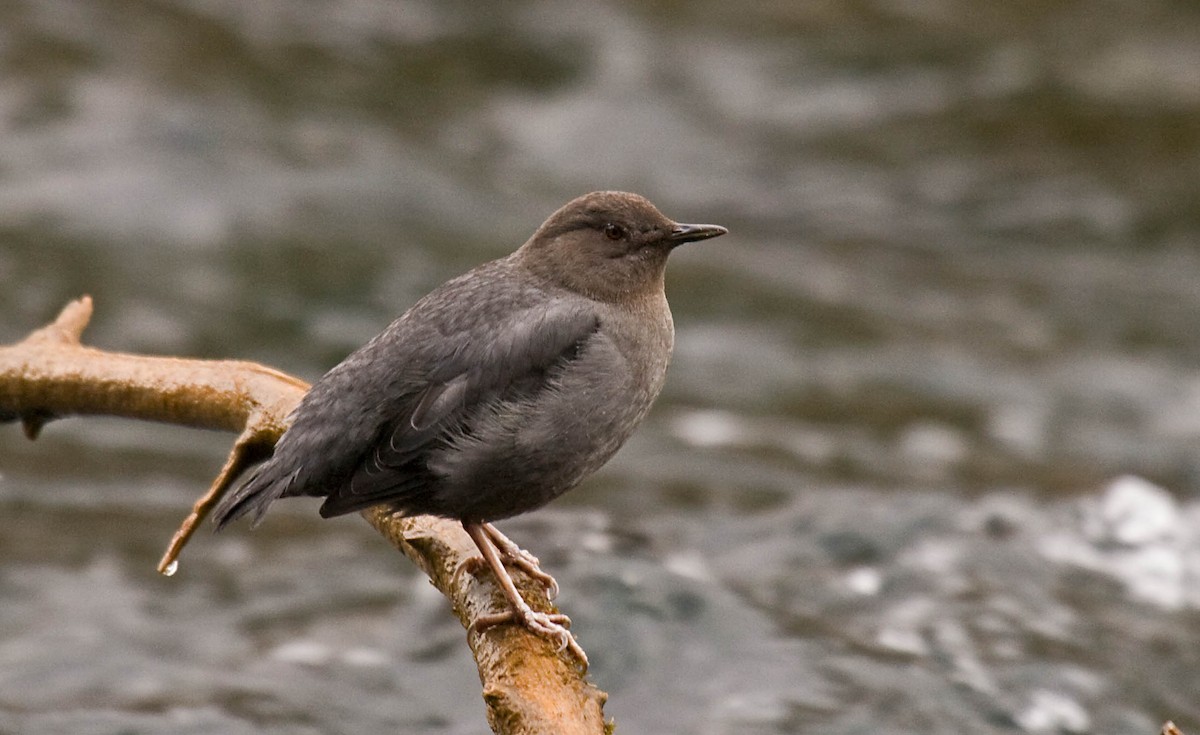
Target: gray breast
(521,454)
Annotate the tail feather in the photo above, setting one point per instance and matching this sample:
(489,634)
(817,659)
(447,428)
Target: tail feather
(254,496)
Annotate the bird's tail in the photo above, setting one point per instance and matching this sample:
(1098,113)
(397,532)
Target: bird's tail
(263,487)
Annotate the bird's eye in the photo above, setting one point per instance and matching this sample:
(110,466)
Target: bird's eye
(614,231)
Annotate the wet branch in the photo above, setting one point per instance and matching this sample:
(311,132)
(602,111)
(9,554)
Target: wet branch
(528,687)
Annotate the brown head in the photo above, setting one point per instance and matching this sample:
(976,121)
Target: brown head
(608,245)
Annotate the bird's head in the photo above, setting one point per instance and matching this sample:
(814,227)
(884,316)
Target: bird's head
(608,245)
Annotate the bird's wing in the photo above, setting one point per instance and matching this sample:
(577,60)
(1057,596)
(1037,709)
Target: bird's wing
(507,360)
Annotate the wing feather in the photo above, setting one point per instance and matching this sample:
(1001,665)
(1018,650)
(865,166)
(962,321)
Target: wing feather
(511,361)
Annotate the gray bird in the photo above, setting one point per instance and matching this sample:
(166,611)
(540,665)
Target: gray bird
(495,393)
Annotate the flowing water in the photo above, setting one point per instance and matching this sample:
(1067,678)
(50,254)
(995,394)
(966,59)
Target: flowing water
(928,459)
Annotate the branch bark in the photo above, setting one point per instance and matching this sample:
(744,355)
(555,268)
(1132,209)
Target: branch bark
(529,687)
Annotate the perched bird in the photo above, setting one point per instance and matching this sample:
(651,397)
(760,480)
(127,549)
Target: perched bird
(495,393)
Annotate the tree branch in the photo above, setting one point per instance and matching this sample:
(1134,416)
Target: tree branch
(528,687)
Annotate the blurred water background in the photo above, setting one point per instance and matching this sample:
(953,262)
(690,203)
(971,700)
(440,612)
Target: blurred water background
(928,459)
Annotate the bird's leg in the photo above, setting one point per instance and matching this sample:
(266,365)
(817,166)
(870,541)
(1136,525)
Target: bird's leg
(550,625)
(521,559)
(515,556)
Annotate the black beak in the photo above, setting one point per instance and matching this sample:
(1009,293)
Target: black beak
(691,233)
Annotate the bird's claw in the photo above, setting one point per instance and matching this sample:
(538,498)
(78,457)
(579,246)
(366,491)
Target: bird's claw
(521,559)
(496,548)
(529,564)
(548,625)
